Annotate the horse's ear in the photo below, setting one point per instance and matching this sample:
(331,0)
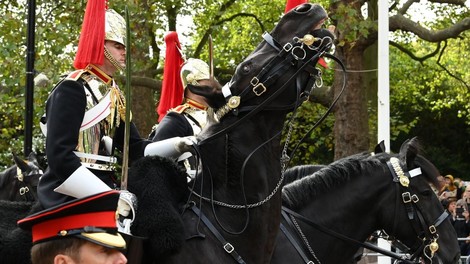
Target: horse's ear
(409,150)
(32,156)
(380,148)
(212,93)
(20,163)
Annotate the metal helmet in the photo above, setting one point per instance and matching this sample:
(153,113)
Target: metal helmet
(194,70)
(115,27)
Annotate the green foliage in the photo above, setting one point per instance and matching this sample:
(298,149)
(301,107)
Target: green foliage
(429,103)
(422,94)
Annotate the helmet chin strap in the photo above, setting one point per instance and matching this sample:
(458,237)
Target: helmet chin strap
(113,61)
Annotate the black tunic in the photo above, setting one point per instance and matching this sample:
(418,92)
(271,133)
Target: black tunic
(65,110)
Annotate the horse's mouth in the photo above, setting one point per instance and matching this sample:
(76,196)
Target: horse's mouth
(319,24)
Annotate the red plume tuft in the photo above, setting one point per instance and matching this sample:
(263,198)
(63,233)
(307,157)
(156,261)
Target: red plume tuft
(293,3)
(91,43)
(172,86)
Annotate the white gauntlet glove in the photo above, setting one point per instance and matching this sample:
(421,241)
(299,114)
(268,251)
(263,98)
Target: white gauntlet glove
(127,207)
(171,147)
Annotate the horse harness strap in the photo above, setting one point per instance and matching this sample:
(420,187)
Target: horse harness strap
(292,239)
(413,208)
(229,248)
(347,239)
(277,65)
(24,189)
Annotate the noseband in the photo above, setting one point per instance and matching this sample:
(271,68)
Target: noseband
(291,54)
(424,229)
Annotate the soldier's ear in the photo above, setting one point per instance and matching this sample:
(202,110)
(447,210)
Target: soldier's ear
(63,259)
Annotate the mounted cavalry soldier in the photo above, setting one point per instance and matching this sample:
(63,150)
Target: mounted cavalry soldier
(189,116)
(85,114)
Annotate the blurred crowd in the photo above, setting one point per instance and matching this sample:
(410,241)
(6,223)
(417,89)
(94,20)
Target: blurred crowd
(455,197)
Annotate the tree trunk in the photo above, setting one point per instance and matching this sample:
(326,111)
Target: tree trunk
(143,109)
(351,118)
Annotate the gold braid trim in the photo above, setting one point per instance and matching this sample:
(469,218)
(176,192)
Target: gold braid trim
(118,101)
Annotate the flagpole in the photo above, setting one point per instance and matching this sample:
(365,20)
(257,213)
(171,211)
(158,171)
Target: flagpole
(29,90)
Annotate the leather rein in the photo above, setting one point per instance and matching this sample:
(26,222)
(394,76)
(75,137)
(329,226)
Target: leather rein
(287,57)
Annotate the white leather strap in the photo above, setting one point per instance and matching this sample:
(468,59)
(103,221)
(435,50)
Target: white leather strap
(109,159)
(92,117)
(226,90)
(99,112)
(415,172)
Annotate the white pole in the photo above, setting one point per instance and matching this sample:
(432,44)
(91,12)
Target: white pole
(383,94)
(383,108)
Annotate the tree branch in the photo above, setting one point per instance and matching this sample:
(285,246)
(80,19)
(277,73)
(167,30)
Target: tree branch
(407,6)
(399,22)
(208,32)
(414,57)
(446,70)
(260,23)
(450,2)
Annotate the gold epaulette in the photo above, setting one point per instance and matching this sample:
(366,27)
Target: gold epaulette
(75,75)
(180,108)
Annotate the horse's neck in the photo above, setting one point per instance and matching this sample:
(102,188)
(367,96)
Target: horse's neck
(347,207)
(247,142)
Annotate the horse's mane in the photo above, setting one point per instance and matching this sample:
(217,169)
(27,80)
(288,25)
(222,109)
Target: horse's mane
(299,192)
(5,175)
(303,190)
(297,172)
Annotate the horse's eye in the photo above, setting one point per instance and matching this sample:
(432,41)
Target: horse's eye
(246,68)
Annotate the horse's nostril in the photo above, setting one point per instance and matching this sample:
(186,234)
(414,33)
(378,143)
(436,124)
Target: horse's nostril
(303,8)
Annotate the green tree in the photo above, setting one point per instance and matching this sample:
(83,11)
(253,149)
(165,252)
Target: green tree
(356,23)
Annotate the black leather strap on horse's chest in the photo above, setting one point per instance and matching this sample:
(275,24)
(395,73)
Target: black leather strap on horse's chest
(347,239)
(292,239)
(229,248)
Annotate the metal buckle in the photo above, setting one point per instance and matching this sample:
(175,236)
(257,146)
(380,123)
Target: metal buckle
(257,84)
(24,190)
(406,197)
(228,248)
(432,229)
(287,47)
(415,198)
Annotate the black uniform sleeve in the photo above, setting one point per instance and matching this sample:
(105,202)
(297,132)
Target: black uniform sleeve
(64,111)
(172,125)
(136,143)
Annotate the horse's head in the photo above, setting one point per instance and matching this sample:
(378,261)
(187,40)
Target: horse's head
(27,177)
(281,69)
(419,220)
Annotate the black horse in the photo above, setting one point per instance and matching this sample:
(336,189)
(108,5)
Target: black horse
(19,182)
(233,213)
(357,195)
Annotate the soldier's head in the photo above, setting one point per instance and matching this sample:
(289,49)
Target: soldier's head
(115,40)
(102,39)
(83,230)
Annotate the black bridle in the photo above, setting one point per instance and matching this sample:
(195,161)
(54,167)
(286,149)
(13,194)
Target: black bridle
(425,230)
(278,66)
(426,233)
(25,188)
(269,74)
